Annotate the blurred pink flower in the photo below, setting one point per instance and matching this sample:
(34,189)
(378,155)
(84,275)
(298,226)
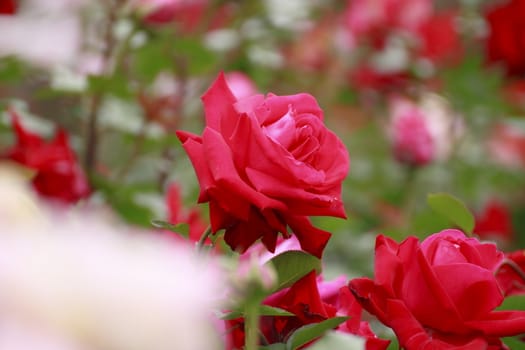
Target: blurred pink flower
(506,145)
(423,131)
(373,19)
(411,139)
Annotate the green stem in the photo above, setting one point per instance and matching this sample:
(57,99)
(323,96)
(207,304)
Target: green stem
(202,240)
(251,325)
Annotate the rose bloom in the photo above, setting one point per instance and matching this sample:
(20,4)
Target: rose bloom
(494,222)
(7,7)
(266,163)
(58,175)
(511,274)
(440,293)
(375,18)
(412,141)
(506,41)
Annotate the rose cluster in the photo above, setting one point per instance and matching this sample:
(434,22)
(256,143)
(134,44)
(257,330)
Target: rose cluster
(267,163)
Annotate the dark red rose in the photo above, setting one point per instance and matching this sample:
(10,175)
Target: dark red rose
(8,7)
(58,175)
(506,40)
(265,164)
(439,294)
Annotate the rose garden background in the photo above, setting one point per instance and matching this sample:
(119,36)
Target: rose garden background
(214,174)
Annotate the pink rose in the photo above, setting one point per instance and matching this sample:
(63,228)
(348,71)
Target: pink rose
(374,19)
(412,140)
(266,163)
(439,294)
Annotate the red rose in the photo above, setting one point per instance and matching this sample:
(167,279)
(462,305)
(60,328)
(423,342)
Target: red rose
(511,274)
(7,7)
(506,40)
(494,222)
(265,164)
(58,175)
(439,294)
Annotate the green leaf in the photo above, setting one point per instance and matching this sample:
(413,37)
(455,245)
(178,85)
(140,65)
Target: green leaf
(452,209)
(339,340)
(513,302)
(11,69)
(112,85)
(514,343)
(264,310)
(182,229)
(153,58)
(291,266)
(193,53)
(312,331)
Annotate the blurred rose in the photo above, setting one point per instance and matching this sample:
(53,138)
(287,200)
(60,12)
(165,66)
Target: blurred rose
(266,163)
(425,131)
(7,7)
(440,293)
(439,38)
(411,139)
(506,40)
(187,14)
(494,222)
(77,283)
(58,174)
(507,145)
(374,19)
